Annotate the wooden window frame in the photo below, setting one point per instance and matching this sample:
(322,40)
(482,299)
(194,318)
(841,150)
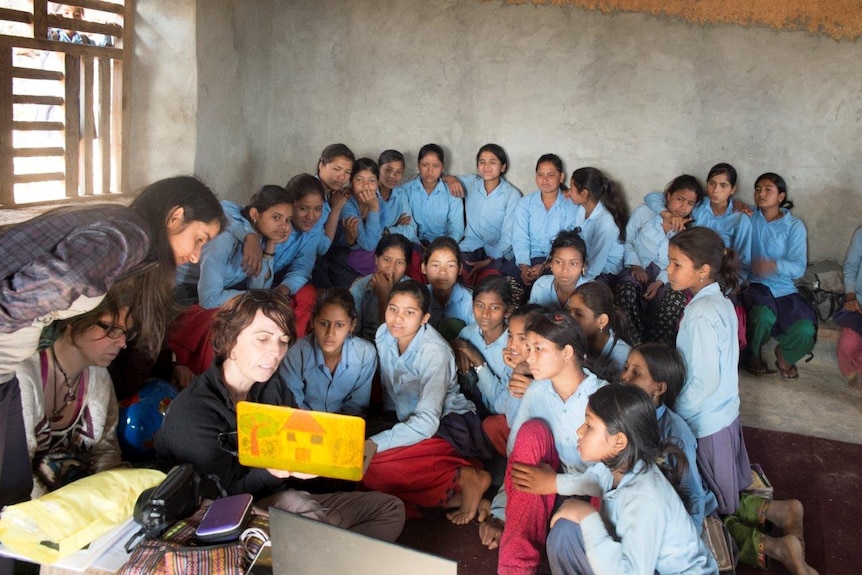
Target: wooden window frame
(80,126)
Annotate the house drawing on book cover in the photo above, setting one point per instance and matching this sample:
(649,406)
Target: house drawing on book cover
(314,442)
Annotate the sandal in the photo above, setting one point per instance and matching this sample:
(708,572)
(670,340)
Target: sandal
(789,373)
(756,367)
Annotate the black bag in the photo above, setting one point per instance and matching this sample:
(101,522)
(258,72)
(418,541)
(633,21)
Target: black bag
(822,286)
(175,498)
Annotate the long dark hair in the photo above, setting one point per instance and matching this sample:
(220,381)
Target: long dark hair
(606,191)
(704,246)
(664,364)
(627,409)
(155,307)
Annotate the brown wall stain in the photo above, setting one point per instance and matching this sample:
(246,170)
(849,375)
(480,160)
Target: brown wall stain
(838,19)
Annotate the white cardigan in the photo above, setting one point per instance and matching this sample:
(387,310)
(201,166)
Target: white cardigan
(94,431)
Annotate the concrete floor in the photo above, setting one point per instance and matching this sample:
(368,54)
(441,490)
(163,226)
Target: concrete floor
(818,404)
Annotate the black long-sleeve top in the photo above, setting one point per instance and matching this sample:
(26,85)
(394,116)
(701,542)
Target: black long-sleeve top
(196,418)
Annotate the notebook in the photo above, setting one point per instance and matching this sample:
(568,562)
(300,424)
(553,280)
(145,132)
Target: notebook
(313,442)
(301,545)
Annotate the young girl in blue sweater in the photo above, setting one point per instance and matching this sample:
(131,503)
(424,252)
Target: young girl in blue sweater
(709,400)
(604,227)
(568,262)
(642,527)
(653,310)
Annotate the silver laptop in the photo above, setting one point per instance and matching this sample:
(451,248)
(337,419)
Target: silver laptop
(308,547)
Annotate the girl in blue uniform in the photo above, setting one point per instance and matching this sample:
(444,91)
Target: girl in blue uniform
(221,272)
(391,257)
(603,324)
(567,262)
(396,212)
(774,307)
(330,369)
(718,214)
(709,400)
(451,302)
(425,456)
(543,459)
(362,217)
(483,374)
(651,309)
(539,217)
(660,371)
(643,526)
(435,211)
(604,227)
(490,208)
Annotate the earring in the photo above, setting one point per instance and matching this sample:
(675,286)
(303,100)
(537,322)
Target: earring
(601,329)
(701,279)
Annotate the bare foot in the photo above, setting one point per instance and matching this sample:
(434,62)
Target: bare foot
(788,551)
(787,514)
(473,484)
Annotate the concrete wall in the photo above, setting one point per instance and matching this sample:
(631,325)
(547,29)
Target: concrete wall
(644,98)
(163,104)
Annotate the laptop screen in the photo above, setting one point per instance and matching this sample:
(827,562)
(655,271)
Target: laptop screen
(301,545)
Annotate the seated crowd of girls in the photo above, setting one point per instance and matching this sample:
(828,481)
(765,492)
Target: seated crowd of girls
(485,340)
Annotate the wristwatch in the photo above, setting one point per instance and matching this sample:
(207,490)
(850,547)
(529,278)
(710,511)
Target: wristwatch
(480,367)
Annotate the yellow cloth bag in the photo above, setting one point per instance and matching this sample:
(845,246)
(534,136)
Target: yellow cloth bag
(66,520)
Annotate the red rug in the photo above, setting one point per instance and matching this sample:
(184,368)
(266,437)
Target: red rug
(825,475)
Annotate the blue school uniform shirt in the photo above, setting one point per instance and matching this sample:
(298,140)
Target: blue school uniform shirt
(563,417)
(707,340)
(296,254)
(784,241)
(325,242)
(646,241)
(459,306)
(733,227)
(370,229)
(436,214)
(490,217)
(221,274)
(395,207)
(652,532)
(346,391)
(540,401)
(535,227)
(697,498)
(853,266)
(616,352)
(420,386)
(604,247)
(493,379)
(543,292)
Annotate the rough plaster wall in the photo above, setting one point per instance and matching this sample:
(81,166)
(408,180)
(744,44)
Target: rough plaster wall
(164,91)
(644,98)
(234,92)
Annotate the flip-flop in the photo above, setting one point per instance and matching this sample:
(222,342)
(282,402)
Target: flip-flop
(789,373)
(757,368)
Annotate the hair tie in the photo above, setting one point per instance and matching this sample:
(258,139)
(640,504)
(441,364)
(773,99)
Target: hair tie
(577,230)
(559,316)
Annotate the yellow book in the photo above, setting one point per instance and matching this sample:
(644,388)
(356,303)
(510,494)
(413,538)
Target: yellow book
(313,442)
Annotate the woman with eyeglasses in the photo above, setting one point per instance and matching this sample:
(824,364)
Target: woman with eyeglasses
(70,411)
(61,264)
(250,336)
